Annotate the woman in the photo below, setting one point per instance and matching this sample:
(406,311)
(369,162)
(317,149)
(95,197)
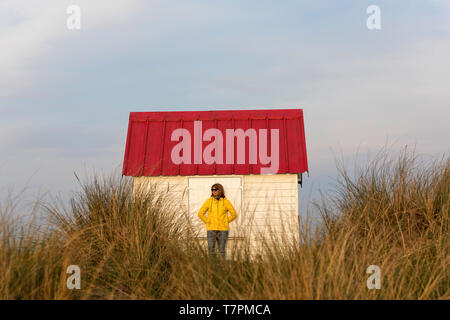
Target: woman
(217,220)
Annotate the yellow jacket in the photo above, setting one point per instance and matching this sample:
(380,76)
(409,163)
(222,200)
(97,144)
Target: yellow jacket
(217,218)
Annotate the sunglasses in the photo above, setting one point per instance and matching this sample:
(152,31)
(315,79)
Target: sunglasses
(214,189)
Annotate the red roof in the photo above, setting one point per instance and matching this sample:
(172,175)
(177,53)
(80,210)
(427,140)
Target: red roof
(180,143)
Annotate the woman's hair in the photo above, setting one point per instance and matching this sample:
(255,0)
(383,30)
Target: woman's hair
(220,188)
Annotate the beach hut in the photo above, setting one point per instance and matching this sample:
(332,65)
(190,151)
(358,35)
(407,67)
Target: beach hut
(257,155)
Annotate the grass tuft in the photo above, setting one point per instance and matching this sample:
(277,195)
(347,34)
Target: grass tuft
(392,212)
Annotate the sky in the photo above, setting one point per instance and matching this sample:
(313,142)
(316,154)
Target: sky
(65,95)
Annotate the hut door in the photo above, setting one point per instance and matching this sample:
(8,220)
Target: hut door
(200,190)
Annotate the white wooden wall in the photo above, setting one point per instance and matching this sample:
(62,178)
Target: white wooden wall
(268,210)
(271,206)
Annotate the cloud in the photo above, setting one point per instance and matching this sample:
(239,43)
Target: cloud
(43,156)
(441,3)
(29,29)
(355,96)
(60,139)
(357,88)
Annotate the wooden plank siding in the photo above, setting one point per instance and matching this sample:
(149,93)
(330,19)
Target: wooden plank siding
(269,206)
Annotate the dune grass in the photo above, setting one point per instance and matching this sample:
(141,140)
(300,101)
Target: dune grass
(392,212)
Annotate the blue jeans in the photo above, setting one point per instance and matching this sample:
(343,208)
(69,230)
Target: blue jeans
(218,236)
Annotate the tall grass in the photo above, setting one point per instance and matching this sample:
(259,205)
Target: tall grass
(393,213)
